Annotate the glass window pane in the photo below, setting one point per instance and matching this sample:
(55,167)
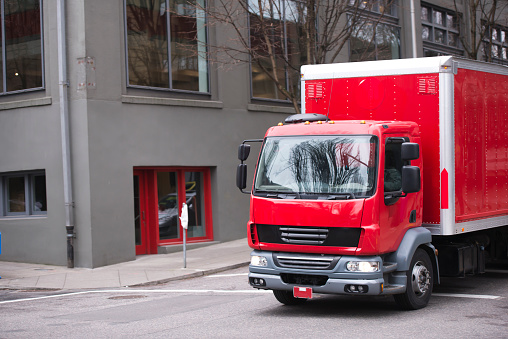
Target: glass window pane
(453,39)
(167,193)
(426,33)
(23,44)
(505,54)
(188,46)
(16,195)
(195,201)
(393,168)
(39,194)
(494,34)
(387,39)
(361,43)
(147,43)
(438,18)
(137,211)
(425,14)
(451,21)
(439,36)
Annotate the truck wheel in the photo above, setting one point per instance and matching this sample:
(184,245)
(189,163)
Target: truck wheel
(420,280)
(286,297)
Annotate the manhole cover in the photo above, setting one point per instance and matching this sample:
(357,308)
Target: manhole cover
(123,297)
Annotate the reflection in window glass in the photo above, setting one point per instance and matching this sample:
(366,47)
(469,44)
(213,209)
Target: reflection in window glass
(23,48)
(453,39)
(438,18)
(371,41)
(195,203)
(426,33)
(317,165)
(425,14)
(284,20)
(167,193)
(149,24)
(16,201)
(439,36)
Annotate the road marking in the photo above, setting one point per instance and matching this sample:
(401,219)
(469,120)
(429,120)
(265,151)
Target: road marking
(471,296)
(253,291)
(226,275)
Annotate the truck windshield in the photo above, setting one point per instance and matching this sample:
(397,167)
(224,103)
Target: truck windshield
(318,165)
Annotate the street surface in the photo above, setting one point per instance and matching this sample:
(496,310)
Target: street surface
(225,306)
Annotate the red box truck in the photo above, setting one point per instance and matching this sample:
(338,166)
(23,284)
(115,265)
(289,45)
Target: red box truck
(395,174)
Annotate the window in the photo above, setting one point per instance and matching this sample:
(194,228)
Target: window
(282,22)
(21,44)
(440,32)
(167,45)
(23,194)
(376,35)
(497,45)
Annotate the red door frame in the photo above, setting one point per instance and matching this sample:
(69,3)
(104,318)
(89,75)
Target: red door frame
(142,248)
(150,200)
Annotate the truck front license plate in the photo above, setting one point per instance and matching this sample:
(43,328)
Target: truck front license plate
(302,292)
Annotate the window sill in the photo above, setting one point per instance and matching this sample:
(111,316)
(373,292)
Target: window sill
(23,217)
(270,109)
(25,103)
(130,99)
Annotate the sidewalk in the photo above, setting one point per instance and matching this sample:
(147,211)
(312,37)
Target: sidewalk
(145,270)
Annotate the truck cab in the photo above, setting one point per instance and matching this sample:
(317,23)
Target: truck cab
(332,203)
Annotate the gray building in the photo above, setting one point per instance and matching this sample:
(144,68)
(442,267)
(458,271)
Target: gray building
(112,116)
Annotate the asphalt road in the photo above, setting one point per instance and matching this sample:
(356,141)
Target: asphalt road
(224,306)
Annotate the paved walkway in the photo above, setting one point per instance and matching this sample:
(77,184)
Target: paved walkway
(145,270)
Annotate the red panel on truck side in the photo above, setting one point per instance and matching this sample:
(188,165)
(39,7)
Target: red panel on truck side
(481,145)
(410,97)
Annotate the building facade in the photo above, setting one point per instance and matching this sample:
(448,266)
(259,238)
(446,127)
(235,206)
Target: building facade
(112,116)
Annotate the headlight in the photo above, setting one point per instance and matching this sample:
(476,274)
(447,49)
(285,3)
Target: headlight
(256,260)
(362,266)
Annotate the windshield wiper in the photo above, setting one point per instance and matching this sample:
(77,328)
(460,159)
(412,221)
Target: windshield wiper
(279,195)
(340,196)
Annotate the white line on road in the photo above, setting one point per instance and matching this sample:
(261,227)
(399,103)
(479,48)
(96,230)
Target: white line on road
(253,291)
(471,296)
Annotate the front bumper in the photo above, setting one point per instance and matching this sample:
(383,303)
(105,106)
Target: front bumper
(333,280)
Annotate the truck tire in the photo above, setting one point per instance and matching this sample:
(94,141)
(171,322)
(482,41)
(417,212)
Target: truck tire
(420,280)
(286,297)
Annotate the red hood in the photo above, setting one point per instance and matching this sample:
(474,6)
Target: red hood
(320,213)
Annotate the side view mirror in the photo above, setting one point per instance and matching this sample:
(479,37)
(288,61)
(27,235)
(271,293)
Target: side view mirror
(410,151)
(243,152)
(410,179)
(241,176)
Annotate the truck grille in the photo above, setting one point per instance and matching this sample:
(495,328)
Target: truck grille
(303,235)
(313,236)
(305,261)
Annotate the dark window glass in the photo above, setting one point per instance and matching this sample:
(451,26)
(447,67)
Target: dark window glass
(16,202)
(393,167)
(39,194)
(23,48)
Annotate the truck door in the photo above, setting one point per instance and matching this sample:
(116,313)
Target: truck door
(396,211)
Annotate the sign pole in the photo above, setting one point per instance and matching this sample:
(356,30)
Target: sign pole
(184,221)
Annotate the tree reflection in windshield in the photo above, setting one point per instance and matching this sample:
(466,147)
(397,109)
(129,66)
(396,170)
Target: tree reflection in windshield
(318,164)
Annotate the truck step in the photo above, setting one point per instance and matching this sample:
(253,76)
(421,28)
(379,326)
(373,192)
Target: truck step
(389,267)
(394,289)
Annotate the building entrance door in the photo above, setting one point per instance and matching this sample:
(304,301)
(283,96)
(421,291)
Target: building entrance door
(159,193)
